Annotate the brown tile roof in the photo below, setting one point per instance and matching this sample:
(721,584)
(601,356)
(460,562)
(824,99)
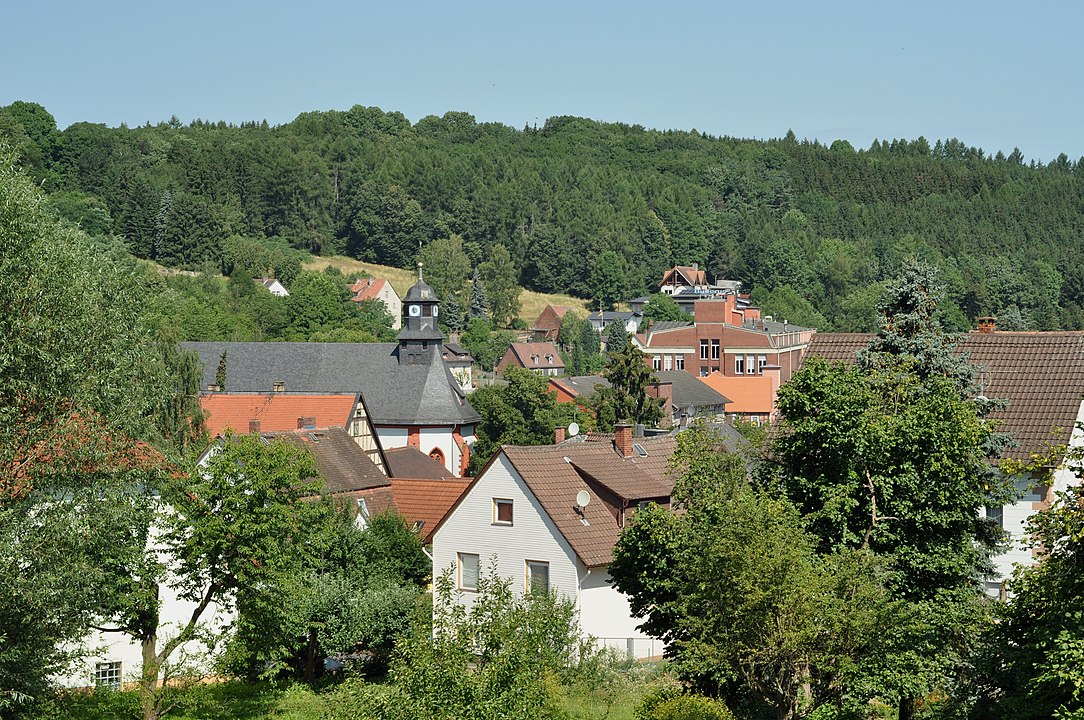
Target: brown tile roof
(344,465)
(556,482)
(1040,374)
(537,355)
(410,462)
(276,412)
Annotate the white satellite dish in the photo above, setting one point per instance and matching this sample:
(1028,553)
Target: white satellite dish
(573,429)
(583,498)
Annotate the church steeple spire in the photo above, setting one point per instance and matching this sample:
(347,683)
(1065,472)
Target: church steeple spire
(421,338)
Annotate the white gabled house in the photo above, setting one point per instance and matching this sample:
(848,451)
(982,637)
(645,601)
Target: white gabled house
(522,516)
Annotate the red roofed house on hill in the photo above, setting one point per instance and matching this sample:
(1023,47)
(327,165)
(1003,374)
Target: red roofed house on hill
(380,289)
(541,358)
(549,517)
(1040,375)
(548,324)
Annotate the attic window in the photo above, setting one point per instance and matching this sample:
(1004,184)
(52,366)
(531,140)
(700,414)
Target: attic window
(417,526)
(502,511)
(279,386)
(640,450)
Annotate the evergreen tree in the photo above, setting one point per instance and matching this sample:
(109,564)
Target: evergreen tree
(616,337)
(479,302)
(626,400)
(220,373)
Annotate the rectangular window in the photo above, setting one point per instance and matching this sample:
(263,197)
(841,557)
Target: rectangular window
(668,362)
(714,349)
(107,674)
(762,360)
(538,576)
(656,362)
(750,368)
(996,515)
(739,364)
(679,362)
(502,511)
(468,571)
(703,349)
(703,371)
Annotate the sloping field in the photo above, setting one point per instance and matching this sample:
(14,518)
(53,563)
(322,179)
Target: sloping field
(531,303)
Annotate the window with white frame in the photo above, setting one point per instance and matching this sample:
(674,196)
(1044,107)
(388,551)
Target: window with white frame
(679,362)
(107,674)
(502,511)
(750,367)
(538,576)
(467,571)
(762,360)
(703,349)
(739,364)
(656,362)
(996,515)
(667,362)
(714,349)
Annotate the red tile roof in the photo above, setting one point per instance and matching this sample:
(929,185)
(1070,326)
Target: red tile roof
(367,288)
(277,412)
(1040,374)
(427,501)
(418,501)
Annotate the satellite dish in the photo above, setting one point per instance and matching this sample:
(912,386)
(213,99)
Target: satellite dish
(583,498)
(573,429)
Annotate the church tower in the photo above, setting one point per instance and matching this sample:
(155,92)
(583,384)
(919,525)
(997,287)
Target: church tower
(420,340)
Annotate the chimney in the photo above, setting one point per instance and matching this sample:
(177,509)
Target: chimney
(623,439)
(253,426)
(558,436)
(987,324)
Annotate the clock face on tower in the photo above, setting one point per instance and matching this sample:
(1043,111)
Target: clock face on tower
(415,310)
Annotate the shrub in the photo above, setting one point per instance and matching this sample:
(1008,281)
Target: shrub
(669,703)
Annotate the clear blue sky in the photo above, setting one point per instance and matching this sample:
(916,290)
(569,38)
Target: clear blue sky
(993,74)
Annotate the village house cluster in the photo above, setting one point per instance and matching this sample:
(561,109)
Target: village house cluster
(391,427)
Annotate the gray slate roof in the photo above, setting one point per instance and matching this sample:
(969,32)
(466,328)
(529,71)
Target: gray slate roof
(393,393)
(690,390)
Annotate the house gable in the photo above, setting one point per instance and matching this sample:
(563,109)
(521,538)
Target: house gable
(470,527)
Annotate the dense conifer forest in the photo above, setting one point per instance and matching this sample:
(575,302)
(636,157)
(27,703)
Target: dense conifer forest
(813,230)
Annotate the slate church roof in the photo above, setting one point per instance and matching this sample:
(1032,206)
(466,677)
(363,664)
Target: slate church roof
(422,394)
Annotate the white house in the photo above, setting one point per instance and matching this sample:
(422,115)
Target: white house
(274,287)
(380,289)
(523,516)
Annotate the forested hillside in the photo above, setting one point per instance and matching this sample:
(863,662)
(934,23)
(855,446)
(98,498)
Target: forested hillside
(581,205)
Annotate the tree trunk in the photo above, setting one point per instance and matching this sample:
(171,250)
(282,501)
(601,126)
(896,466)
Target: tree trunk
(310,658)
(148,681)
(907,708)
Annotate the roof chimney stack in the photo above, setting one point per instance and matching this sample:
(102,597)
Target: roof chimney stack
(623,439)
(253,426)
(558,436)
(987,324)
